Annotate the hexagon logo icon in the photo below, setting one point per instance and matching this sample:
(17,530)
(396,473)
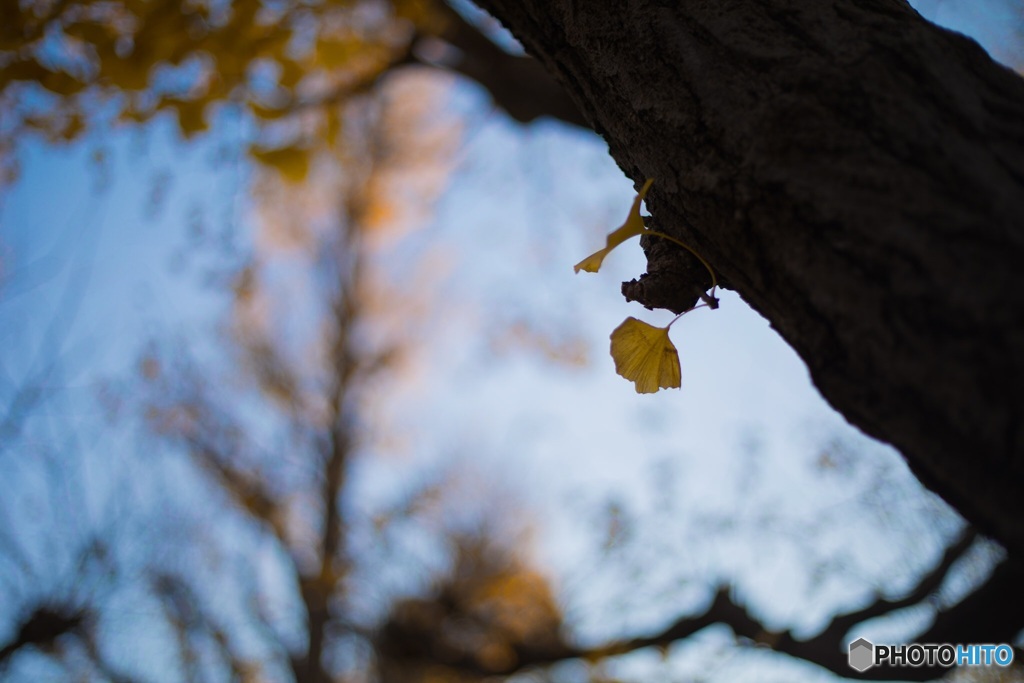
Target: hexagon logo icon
(862,654)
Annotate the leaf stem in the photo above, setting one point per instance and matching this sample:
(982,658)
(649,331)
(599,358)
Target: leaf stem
(692,308)
(711,271)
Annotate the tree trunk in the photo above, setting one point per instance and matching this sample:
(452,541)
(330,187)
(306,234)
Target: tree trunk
(857,175)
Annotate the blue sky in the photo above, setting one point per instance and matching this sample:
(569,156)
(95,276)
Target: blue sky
(95,262)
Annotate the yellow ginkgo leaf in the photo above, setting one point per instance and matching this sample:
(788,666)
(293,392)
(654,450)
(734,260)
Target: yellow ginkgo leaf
(646,356)
(633,226)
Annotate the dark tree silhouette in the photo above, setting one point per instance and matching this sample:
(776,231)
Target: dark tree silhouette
(856,173)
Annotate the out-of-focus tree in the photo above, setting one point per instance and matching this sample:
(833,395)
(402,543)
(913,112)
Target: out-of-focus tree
(317,321)
(320,315)
(67,66)
(304,73)
(489,613)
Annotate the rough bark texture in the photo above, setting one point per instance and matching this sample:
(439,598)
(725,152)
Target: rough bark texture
(857,175)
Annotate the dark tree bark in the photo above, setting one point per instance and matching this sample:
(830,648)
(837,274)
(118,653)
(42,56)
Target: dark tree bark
(857,175)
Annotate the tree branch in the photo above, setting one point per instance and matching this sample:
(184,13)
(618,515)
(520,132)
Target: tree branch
(990,614)
(926,586)
(857,175)
(520,85)
(43,626)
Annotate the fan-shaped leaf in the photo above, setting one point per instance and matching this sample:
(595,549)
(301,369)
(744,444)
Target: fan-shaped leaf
(633,226)
(645,355)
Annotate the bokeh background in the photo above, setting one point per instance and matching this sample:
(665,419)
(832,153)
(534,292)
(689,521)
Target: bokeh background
(297,382)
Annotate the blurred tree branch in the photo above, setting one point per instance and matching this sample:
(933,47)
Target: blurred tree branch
(43,627)
(520,85)
(989,614)
(517,84)
(244,53)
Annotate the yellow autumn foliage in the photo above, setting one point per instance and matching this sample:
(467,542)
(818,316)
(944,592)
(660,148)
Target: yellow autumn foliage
(646,356)
(284,65)
(291,162)
(633,226)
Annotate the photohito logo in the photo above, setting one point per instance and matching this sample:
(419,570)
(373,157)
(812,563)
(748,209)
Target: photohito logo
(864,654)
